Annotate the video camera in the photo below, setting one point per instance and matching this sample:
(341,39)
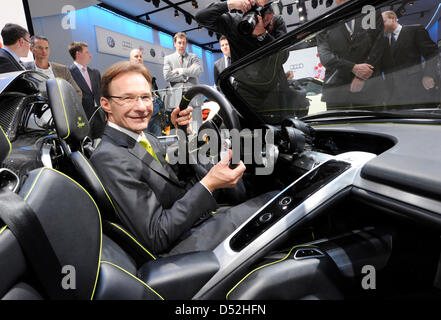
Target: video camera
(249,19)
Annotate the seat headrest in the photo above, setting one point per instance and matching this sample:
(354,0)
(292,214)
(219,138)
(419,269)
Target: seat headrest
(69,117)
(71,220)
(5,145)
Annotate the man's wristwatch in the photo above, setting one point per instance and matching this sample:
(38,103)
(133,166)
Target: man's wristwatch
(262,36)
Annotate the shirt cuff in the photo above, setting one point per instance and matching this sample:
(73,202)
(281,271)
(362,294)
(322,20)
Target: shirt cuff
(205,187)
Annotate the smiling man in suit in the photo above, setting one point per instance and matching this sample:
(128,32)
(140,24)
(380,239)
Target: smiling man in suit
(16,46)
(225,61)
(410,81)
(181,70)
(165,208)
(88,80)
(41,50)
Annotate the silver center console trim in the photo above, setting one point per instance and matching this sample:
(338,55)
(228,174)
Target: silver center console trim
(230,260)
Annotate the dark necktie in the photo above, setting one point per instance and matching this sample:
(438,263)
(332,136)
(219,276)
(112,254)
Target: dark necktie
(181,59)
(393,41)
(228,62)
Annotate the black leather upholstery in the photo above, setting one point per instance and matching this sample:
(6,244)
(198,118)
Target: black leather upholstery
(90,180)
(69,117)
(71,221)
(22,291)
(128,243)
(115,283)
(12,261)
(112,253)
(180,276)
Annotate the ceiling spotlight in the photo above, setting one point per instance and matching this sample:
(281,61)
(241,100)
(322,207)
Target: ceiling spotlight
(176,13)
(329,3)
(188,19)
(289,9)
(147,17)
(300,9)
(302,18)
(314,3)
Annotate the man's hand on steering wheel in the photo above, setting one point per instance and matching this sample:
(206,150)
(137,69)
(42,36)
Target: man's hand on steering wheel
(181,118)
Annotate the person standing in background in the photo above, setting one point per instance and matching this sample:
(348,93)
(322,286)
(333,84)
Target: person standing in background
(89,81)
(16,45)
(181,70)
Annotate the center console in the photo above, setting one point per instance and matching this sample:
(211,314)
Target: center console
(265,229)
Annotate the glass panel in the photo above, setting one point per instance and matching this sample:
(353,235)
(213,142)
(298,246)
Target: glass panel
(353,64)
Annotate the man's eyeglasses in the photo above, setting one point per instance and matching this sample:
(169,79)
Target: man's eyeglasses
(130,100)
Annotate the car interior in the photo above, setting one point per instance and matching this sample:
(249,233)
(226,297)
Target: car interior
(358,214)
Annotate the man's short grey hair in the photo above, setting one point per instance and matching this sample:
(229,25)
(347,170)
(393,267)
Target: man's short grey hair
(33,38)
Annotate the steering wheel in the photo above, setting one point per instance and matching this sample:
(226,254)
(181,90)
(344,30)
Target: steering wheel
(226,112)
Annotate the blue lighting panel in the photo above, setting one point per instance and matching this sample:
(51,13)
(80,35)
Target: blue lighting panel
(197,50)
(166,40)
(112,21)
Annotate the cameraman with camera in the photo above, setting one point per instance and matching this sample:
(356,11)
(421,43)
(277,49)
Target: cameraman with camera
(259,23)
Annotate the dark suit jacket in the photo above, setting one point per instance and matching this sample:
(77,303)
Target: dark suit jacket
(8,63)
(404,68)
(339,53)
(60,71)
(150,200)
(219,66)
(89,97)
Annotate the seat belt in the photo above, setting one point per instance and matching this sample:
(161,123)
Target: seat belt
(25,226)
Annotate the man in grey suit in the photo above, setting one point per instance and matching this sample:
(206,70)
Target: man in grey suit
(89,81)
(16,41)
(181,70)
(41,50)
(225,61)
(165,209)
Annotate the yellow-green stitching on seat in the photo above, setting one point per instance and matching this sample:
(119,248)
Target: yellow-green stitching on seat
(128,234)
(7,139)
(98,210)
(136,278)
(3,229)
(266,265)
(64,109)
(102,186)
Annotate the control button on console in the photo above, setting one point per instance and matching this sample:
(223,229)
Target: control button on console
(285,201)
(266,217)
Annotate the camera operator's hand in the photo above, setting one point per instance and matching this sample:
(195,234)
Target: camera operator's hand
(260,27)
(242,5)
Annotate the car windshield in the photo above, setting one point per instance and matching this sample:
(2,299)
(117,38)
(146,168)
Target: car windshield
(383,58)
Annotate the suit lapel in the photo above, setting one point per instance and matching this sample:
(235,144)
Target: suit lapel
(140,153)
(78,76)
